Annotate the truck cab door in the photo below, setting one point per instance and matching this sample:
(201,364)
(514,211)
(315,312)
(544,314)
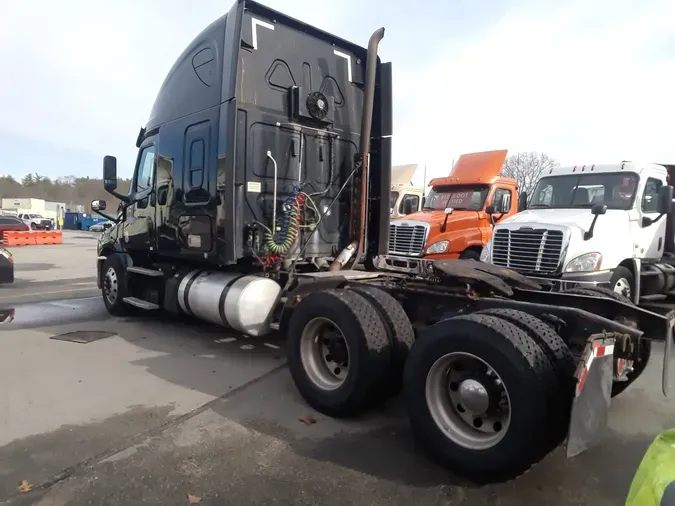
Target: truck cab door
(139,226)
(502,201)
(650,239)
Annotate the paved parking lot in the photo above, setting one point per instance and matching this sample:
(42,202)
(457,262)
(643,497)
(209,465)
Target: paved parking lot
(55,271)
(176,412)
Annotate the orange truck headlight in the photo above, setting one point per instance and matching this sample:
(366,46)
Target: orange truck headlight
(438,247)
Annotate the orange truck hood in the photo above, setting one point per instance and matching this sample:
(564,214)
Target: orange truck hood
(470,168)
(456,220)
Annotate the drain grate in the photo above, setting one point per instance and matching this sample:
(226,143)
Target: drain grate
(83,336)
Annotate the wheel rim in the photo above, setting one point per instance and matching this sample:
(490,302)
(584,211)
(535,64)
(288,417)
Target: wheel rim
(110,286)
(622,286)
(468,401)
(324,354)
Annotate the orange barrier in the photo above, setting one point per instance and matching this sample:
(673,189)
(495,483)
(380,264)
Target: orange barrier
(32,238)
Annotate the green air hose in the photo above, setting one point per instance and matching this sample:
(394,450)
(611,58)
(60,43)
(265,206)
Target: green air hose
(287,235)
(279,241)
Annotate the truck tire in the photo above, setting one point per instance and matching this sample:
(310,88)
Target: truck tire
(399,330)
(599,291)
(338,352)
(369,264)
(645,345)
(559,356)
(622,282)
(114,286)
(448,365)
(470,254)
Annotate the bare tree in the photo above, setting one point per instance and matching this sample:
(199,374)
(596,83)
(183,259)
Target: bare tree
(526,168)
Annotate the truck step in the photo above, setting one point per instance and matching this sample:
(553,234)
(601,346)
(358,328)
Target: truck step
(646,274)
(143,304)
(655,296)
(144,271)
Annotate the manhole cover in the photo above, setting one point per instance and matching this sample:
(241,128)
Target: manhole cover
(83,336)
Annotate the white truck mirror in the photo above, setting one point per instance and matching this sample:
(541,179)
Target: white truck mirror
(665,199)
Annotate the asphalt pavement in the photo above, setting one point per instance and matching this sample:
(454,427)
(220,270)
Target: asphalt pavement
(157,411)
(152,410)
(53,272)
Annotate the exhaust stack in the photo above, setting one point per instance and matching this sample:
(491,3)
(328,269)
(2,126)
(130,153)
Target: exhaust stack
(359,206)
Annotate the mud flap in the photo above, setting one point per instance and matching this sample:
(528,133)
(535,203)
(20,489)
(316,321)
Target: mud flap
(593,395)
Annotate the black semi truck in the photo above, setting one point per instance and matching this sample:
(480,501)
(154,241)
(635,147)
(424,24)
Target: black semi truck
(260,190)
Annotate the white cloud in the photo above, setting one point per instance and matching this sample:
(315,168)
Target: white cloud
(86,74)
(586,83)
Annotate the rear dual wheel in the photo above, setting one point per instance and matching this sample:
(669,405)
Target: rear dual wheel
(483,396)
(346,349)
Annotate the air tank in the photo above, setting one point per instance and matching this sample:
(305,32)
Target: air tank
(241,302)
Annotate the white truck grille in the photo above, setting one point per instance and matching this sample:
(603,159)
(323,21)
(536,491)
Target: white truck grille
(407,239)
(528,250)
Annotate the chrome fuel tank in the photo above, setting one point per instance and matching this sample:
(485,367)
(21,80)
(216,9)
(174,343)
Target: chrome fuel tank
(241,302)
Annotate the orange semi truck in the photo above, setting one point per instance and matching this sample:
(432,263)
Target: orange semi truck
(458,215)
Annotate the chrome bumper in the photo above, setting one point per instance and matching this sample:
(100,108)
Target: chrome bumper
(572,280)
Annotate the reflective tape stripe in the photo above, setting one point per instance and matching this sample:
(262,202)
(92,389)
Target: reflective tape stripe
(599,350)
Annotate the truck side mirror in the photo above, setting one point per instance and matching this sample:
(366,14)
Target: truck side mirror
(448,211)
(490,209)
(522,201)
(98,205)
(408,206)
(109,173)
(596,211)
(665,204)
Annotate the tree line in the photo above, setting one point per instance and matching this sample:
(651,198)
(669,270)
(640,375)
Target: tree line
(70,190)
(524,167)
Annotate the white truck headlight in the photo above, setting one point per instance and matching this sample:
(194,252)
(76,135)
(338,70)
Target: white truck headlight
(486,252)
(585,263)
(438,247)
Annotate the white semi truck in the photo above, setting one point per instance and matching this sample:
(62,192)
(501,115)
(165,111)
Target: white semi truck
(406,198)
(595,226)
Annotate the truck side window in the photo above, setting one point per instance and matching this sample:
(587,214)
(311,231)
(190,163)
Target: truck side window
(650,197)
(409,200)
(497,200)
(145,173)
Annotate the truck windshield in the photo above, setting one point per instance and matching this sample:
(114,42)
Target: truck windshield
(614,189)
(394,198)
(459,197)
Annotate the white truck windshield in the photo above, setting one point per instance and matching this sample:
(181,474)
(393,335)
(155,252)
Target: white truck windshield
(614,189)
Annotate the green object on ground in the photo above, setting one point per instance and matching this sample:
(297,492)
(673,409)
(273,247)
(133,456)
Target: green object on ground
(654,481)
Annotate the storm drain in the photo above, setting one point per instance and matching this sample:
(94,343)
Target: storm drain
(83,336)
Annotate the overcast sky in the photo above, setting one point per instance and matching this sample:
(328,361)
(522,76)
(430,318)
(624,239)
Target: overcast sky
(584,81)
